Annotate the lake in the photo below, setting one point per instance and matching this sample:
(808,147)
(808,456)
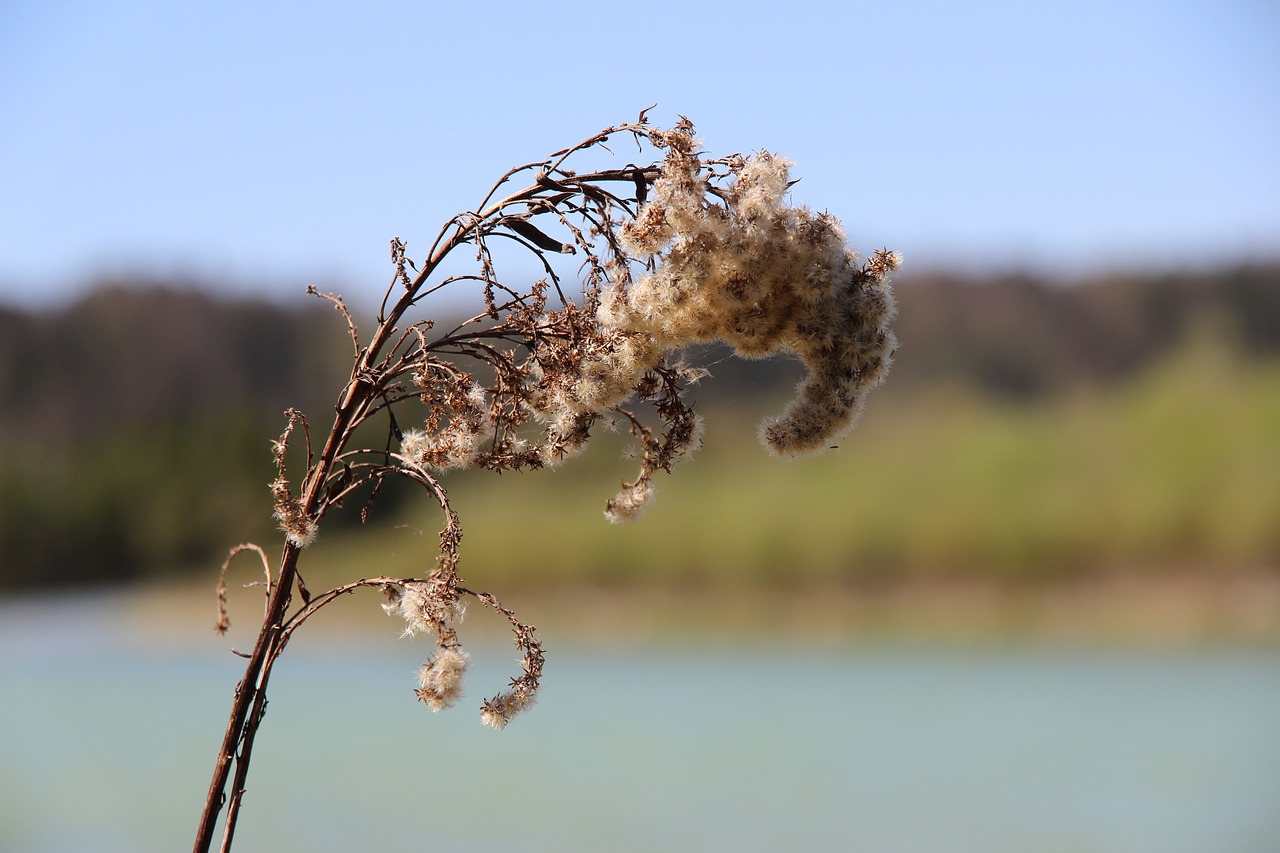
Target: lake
(107,740)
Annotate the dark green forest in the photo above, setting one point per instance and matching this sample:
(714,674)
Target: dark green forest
(137,421)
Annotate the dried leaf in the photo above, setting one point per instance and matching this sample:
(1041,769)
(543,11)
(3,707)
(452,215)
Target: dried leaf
(536,236)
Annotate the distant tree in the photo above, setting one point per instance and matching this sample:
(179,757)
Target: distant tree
(101,403)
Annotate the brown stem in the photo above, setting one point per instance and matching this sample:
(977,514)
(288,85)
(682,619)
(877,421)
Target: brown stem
(247,691)
(250,693)
(254,719)
(367,382)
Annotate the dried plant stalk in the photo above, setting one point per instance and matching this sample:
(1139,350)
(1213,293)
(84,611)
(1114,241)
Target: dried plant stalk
(689,250)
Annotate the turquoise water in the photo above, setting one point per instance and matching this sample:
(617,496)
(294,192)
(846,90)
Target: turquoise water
(106,744)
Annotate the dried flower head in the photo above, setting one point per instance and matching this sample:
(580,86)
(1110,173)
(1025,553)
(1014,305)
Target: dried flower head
(440,679)
(764,277)
(631,501)
(299,528)
(499,710)
(723,257)
(427,607)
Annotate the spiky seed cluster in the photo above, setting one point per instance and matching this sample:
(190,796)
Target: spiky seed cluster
(433,607)
(584,369)
(575,371)
(763,277)
(459,427)
(631,501)
(579,369)
(499,710)
(440,679)
(428,607)
(298,527)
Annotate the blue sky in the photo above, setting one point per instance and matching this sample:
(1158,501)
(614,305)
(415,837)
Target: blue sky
(264,146)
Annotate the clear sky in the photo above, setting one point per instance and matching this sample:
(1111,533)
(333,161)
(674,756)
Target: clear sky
(263,146)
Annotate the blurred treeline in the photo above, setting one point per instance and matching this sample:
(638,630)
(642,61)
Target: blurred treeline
(1027,429)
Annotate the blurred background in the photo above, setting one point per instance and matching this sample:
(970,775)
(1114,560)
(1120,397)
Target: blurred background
(1032,602)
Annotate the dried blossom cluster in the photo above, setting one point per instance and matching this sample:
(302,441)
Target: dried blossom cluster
(764,277)
(458,428)
(497,711)
(429,607)
(440,679)
(711,252)
(733,263)
(707,250)
(299,527)
(434,607)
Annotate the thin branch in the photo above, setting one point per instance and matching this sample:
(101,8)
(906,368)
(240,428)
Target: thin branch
(224,620)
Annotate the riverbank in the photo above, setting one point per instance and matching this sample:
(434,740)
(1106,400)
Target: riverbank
(1124,610)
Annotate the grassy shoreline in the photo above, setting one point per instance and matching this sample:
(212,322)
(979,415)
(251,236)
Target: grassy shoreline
(1115,610)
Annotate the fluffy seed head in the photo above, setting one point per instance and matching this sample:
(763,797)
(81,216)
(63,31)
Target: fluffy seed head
(440,678)
(631,501)
(765,278)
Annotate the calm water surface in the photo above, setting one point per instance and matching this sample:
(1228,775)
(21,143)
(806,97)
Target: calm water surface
(106,744)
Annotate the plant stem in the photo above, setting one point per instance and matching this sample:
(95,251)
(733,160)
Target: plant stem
(368,380)
(250,693)
(240,725)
